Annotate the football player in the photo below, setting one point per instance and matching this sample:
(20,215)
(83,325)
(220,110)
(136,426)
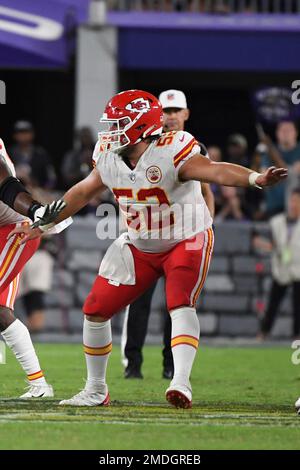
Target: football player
(13,257)
(136,317)
(145,168)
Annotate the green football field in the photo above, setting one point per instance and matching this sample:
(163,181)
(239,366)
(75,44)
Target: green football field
(243,399)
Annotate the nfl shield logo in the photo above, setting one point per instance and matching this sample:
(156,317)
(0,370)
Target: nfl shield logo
(132,177)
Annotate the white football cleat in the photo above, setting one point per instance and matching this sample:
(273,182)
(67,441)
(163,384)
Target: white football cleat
(297,404)
(38,391)
(88,398)
(179,396)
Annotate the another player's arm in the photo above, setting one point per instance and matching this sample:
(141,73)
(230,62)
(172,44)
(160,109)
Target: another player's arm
(202,169)
(13,192)
(209,198)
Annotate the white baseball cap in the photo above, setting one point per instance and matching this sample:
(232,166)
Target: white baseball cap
(173,99)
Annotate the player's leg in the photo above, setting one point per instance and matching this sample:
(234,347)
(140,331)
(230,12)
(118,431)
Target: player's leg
(12,260)
(34,303)
(168,363)
(134,333)
(17,338)
(104,301)
(186,269)
(277,294)
(13,255)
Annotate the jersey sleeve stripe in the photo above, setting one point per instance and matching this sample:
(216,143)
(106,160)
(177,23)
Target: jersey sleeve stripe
(184,152)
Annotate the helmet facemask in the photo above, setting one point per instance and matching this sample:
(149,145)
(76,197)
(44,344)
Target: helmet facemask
(113,137)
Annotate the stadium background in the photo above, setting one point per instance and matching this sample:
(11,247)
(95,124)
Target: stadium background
(219,59)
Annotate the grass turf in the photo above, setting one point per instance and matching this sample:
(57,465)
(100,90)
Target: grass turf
(243,399)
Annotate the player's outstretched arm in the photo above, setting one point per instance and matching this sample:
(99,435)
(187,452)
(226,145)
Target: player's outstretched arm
(80,194)
(201,169)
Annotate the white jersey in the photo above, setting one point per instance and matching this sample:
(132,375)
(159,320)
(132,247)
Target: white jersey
(160,211)
(8,215)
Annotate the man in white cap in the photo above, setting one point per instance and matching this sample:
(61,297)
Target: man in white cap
(176,113)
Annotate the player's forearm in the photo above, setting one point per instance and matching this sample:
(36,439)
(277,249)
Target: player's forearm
(24,203)
(201,169)
(229,174)
(76,198)
(225,174)
(204,170)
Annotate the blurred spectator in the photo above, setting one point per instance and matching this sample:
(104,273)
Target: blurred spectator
(254,199)
(231,201)
(77,162)
(32,163)
(236,150)
(286,153)
(285,249)
(231,205)
(215,154)
(209,6)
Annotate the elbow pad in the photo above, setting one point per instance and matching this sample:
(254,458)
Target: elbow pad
(9,189)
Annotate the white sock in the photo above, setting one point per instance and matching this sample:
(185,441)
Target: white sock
(97,345)
(17,338)
(184,343)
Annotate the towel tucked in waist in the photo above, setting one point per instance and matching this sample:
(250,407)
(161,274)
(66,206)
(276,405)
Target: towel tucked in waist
(118,264)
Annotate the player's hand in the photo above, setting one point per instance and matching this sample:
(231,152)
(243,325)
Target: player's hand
(46,215)
(26,233)
(272,176)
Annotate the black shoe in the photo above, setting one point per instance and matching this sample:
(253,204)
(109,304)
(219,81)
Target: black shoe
(168,373)
(133,373)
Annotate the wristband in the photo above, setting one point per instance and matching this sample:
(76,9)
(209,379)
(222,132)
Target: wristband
(252,179)
(32,209)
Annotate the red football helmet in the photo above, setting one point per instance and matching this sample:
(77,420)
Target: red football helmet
(129,117)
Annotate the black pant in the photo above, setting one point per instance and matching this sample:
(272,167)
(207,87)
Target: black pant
(276,295)
(137,324)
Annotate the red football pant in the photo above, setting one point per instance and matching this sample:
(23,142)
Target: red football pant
(13,257)
(185,268)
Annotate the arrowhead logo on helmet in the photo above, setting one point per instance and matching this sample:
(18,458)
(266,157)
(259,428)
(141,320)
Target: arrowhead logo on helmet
(138,105)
